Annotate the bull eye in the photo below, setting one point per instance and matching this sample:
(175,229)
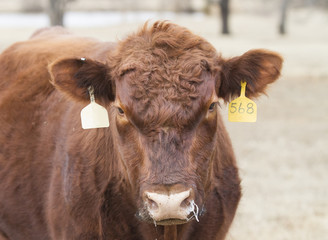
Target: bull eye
(212,106)
(120,111)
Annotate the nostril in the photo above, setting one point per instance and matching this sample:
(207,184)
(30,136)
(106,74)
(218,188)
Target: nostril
(152,204)
(186,203)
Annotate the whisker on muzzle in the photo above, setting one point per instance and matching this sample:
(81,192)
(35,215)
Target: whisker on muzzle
(195,210)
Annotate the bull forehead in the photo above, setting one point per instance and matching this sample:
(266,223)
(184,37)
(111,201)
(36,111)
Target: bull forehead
(169,95)
(169,82)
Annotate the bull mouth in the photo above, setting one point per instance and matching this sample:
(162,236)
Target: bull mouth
(145,217)
(171,221)
(191,212)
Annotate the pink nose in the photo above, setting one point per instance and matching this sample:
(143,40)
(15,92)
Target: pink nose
(171,207)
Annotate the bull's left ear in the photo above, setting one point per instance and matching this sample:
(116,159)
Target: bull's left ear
(257,67)
(74,76)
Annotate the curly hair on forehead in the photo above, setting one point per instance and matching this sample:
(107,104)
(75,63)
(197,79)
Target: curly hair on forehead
(165,41)
(165,65)
(172,38)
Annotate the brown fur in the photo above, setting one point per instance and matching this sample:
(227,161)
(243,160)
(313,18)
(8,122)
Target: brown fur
(61,182)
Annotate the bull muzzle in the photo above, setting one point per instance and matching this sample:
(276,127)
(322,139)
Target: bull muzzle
(171,207)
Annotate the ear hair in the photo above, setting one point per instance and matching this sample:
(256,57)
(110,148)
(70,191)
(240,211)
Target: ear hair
(257,67)
(74,76)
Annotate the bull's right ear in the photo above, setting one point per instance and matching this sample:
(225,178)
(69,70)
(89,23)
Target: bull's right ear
(74,76)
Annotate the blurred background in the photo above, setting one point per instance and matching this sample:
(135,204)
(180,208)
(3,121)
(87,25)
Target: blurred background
(283,158)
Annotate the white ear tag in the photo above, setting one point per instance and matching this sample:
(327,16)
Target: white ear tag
(94,115)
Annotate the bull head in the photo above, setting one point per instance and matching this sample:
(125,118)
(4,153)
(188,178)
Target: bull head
(162,87)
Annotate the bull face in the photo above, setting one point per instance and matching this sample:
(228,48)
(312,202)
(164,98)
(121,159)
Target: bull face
(162,87)
(168,137)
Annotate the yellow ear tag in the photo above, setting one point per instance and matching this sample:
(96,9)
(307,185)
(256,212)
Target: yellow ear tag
(242,109)
(94,115)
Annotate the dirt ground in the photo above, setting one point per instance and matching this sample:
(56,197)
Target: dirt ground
(283,158)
